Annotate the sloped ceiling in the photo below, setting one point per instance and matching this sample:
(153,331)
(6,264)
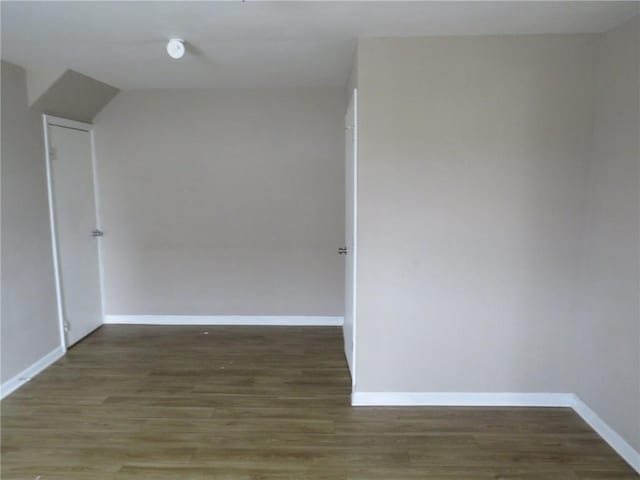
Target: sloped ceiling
(75,96)
(39,80)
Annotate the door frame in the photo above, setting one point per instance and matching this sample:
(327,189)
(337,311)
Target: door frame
(354,247)
(50,120)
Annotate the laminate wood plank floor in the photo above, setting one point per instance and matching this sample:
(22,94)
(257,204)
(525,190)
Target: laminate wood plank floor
(249,403)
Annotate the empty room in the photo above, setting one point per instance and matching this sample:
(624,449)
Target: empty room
(320,240)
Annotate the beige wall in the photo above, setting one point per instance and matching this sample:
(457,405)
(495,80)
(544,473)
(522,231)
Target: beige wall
(608,337)
(222,202)
(29,319)
(472,163)
(504,173)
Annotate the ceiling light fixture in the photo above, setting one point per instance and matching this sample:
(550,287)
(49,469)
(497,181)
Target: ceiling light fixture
(175,48)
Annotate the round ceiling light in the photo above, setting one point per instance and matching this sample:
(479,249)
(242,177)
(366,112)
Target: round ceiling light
(175,48)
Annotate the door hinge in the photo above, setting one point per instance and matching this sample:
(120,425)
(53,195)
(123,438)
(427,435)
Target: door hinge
(52,153)
(67,326)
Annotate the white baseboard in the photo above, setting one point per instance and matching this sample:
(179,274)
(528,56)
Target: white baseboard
(461,399)
(31,371)
(283,320)
(619,444)
(466,399)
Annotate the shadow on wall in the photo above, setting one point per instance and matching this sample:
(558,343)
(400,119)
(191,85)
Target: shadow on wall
(71,95)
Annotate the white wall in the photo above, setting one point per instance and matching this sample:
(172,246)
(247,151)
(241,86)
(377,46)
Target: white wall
(222,202)
(608,335)
(471,179)
(29,328)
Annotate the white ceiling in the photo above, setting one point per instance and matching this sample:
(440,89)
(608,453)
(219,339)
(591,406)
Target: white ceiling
(259,43)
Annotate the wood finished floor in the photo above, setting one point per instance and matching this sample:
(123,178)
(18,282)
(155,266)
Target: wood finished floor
(143,402)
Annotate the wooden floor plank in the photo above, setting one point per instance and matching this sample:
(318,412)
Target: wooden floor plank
(145,402)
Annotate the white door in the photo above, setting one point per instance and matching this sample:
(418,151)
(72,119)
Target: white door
(349,251)
(76,234)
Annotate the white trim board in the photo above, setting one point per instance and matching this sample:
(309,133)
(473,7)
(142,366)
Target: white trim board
(465,399)
(283,320)
(65,122)
(615,441)
(31,371)
(355,238)
(52,227)
(468,399)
